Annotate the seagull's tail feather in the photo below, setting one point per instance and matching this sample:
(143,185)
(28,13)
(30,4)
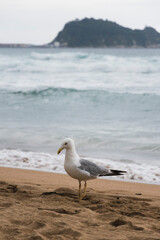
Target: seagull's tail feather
(112,173)
(117,172)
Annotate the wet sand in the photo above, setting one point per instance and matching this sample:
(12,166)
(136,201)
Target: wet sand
(39,206)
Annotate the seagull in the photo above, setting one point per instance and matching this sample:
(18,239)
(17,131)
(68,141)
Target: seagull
(82,169)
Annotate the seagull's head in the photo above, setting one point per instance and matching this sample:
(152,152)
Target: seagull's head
(67,143)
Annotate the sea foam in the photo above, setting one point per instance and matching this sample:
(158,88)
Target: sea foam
(54,163)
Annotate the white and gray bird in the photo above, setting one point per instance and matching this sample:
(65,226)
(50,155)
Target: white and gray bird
(82,169)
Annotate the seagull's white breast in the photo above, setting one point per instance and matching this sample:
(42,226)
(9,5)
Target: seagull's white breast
(71,165)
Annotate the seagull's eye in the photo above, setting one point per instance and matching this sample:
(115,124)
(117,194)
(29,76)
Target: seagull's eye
(65,143)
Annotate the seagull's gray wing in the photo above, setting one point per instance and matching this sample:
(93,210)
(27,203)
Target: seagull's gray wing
(96,170)
(93,168)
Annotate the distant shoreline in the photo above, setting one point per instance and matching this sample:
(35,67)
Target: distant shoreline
(62,47)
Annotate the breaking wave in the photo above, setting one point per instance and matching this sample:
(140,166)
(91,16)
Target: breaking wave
(53,163)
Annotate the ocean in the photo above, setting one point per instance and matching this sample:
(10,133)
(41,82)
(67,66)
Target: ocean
(107,100)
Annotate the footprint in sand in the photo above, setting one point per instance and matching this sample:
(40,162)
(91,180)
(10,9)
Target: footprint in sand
(36,238)
(119,222)
(67,192)
(5,187)
(37,225)
(68,233)
(5,205)
(61,210)
(132,214)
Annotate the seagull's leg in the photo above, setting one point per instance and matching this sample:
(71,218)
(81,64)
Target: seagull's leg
(84,191)
(79,193)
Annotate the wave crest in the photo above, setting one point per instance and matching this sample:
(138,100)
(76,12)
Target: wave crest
(46,91)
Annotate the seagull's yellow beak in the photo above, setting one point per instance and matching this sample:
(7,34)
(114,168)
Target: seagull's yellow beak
(59,150)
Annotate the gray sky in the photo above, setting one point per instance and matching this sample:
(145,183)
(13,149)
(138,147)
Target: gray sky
(39,21)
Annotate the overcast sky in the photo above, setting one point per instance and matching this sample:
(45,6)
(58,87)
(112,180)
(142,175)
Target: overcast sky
(39,21)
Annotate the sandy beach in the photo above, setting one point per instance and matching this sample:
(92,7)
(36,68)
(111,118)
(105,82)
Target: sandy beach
(38,205)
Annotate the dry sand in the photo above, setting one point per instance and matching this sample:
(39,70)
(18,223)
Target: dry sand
(38,205)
